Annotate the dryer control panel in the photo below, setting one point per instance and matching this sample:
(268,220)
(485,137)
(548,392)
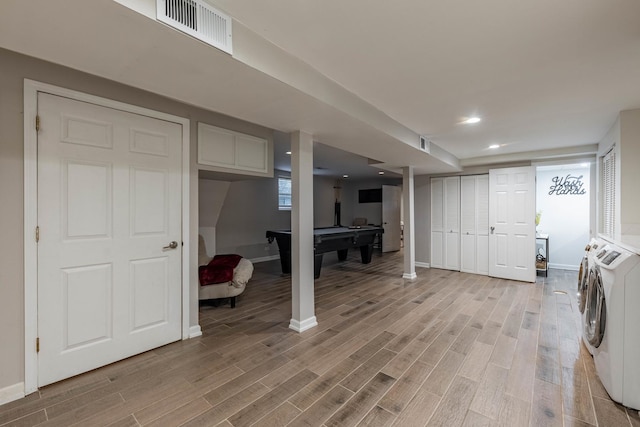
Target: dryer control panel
(610,257)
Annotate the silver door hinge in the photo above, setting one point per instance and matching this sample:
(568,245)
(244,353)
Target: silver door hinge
(37,123)
(37,234)
(37,345)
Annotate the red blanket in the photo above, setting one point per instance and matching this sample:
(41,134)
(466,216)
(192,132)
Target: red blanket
(219,269)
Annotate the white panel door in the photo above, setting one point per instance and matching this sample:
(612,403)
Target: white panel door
(512,223)
(109,204)
(391,218)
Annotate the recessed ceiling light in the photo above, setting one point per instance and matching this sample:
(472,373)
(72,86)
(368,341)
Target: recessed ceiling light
(288,152)
(494,146)
(345,176)
(380,172)
(584,165)
(471,120)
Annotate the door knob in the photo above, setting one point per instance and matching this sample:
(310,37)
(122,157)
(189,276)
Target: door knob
(171,245)
(492,229)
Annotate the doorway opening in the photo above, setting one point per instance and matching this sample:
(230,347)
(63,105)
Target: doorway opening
(564,211)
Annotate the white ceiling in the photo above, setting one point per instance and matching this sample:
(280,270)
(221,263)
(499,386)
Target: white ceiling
(369,76)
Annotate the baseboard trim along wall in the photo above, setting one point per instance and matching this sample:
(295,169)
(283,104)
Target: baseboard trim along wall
(11,393)
(564,266)
(422,264)
(264,258)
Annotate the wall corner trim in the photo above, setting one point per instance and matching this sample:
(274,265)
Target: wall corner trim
(11,393)
(195,331)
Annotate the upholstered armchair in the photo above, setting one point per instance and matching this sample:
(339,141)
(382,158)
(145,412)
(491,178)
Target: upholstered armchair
(231,288)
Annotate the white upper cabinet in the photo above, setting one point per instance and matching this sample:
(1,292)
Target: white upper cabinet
(224,150)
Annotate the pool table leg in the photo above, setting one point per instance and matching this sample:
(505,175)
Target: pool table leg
(342,254)
(285,261)
(317,265)
(365,253)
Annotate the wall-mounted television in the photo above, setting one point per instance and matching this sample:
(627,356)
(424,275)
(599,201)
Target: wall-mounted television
(373,195)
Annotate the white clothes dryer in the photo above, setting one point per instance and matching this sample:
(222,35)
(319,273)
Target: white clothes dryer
(586,276)
(611,322)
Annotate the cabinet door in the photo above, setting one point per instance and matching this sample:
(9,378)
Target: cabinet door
(224,150)
(437,222)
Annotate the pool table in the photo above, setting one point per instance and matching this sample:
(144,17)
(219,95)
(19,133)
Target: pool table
(328,239)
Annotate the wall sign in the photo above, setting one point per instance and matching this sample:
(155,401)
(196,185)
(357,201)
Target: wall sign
(567,185)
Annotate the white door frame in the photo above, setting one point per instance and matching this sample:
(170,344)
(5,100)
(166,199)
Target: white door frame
(31,89)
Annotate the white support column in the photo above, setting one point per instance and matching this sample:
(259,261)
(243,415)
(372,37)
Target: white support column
(302,286)
(409,233)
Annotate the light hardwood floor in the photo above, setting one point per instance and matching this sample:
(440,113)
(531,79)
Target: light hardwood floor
(446,349)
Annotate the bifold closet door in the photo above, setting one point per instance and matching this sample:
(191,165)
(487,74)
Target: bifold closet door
(474,224)
(445,223)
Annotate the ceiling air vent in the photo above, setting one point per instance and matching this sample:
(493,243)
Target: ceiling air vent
(198,19)
(425,144)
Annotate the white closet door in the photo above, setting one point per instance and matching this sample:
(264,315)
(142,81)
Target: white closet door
(512,238)
(482,224)
(437,222)
(474,224)
(391,196)
(468,204)
(109,257)
(452,222)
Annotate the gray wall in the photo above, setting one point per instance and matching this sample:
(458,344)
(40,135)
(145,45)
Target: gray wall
(14,69)
(565,217)
(251,207)
(351,208)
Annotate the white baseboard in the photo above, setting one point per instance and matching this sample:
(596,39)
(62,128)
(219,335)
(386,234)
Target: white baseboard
(409,276)
(422,264)
(11,393)
(564,266)
(301,326)
(264,258)
(195,331)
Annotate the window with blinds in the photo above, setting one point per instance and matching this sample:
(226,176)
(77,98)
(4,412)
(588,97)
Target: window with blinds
(609,193)
(284,193)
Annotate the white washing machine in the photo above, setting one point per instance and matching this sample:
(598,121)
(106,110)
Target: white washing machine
(612,320)
(586,275)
